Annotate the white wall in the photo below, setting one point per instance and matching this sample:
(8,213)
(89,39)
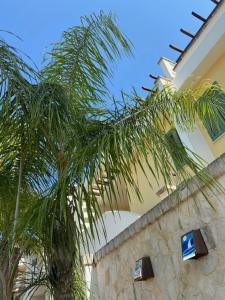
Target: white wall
(114,223)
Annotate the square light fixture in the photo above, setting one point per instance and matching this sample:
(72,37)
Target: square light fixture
(193,245)
(143,269)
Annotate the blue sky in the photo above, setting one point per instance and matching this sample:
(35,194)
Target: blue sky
(150,25)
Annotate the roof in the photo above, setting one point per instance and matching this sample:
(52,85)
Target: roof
(201,29)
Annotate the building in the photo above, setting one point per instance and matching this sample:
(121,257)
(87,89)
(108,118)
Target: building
(165,218)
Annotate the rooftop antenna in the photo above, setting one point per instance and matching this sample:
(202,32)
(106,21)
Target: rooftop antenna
(188,33)
(176,48)
(198,17)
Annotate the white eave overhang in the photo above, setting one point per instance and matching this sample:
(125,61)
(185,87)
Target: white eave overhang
(203,52)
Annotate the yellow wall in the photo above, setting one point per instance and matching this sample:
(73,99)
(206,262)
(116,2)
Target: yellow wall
(149,193)
(216,73)
(120,200)
(147,185)
(150,198)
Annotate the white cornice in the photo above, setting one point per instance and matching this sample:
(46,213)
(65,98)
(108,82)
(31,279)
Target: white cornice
(204,52)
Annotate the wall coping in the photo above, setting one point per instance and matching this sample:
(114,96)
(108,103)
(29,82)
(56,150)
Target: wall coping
(183,192)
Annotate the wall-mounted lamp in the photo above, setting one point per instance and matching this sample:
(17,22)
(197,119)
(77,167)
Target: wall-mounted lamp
(193,245)
(143,269)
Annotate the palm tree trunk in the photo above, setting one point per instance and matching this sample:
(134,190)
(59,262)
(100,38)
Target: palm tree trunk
(8,272)
(2,286)
(6,290)
(18,197)
(65,296)
(64,288)
(9,292)
(61,273)
(61,263)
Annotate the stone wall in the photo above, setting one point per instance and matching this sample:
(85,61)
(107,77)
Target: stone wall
(157,234)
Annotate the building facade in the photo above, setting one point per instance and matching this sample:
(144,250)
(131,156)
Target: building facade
(164,218)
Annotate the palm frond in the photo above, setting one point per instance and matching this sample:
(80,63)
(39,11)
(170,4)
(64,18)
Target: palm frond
(81,60)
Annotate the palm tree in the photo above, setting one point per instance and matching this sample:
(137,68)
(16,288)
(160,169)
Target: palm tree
(15,88)
(58,140)
(37,112)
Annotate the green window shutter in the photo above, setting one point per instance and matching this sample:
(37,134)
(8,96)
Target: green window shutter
(215,126)
(176,148)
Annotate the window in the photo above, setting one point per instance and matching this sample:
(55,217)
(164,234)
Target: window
(176,148)
(214,122)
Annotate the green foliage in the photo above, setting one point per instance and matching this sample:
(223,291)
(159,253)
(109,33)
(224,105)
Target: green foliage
(214,127)
(80,61)
(56,143)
